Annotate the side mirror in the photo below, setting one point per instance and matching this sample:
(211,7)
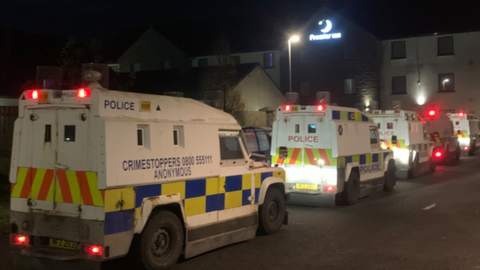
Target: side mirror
(394,139)
(283,153)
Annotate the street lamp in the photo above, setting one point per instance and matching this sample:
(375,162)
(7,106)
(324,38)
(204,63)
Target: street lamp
(294,39)
(445,81)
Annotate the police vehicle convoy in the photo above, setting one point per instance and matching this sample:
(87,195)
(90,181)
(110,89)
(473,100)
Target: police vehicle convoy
(329,154)
(406,134)
(96,173)
(467,127)
(441,133)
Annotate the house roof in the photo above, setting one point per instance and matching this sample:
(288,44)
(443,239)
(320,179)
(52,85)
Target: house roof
(187,81)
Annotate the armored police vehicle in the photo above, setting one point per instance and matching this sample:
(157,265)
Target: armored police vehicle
(467,127)
(442,135)
(330,154)
(406,134)
(96,173)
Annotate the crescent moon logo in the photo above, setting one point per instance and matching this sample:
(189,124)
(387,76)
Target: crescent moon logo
(328,26)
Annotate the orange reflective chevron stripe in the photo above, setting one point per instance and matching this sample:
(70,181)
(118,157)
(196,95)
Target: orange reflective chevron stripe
(294,157)
(66,195)
(310,156)
(324,156)
(77,187)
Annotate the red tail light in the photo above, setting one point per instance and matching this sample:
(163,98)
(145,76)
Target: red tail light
(438,154)
(83,92)
(320,108)
(432,113)
(286,108)
(32,94)
(19,240)
(93,250)
(465,148)
(329,188)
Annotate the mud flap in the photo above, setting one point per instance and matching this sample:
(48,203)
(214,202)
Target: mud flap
(32,262)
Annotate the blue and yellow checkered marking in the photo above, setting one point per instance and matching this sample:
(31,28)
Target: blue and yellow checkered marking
(349,116)
(419,147)
(199,196)
(361,159)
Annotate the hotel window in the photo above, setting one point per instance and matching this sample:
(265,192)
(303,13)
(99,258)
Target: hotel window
(203,62)
(445,46)
(446,82)
(268,60)
(399,85)
(349,53)
(350,87)
(398,50)
(305,88)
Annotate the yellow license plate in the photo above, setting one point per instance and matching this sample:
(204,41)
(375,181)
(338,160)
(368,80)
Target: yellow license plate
(306,186)
(59,243)
(43,97)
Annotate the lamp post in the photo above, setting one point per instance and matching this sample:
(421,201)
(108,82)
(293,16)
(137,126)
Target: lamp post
(294,39)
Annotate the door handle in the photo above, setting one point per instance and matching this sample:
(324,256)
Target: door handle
(61,167)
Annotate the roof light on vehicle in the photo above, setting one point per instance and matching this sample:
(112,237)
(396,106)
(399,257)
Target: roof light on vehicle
(19,240)
(432,112)
(286,107)
(83,92)
(93,250)
(320,108)
(32,94)
(461,114)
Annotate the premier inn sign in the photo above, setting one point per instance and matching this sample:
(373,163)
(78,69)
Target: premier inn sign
(325,29)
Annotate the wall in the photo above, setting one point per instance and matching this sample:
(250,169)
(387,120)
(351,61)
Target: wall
(258,91)
(322,62)
(422,66)
(151,52)
(250,57)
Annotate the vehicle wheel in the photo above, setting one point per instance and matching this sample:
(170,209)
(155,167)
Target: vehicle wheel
(390,179)
(457,153)
(414,172)
(472,148)
(272,211)
(351,191)
(161,242)
(433,166)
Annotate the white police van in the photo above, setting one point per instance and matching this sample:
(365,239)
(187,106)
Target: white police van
(406,134)
(442,135)
(96,173)
(467,128)
(329,153)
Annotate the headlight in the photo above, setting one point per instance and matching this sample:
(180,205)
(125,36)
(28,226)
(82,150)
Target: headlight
(401,155)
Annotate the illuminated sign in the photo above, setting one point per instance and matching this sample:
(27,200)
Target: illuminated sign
(327,27)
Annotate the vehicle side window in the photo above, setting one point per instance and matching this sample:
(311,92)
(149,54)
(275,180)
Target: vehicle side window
(389,125)
(263,141)
(373,135)
(297,128)
(312,128)
(251,141)
(379,126)
(230,148)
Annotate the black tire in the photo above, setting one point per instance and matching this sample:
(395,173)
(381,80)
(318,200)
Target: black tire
(433,166)
(390,179)
(473,147)
(414,172)
(161,241)
(351,190)
(457,153)
(272,212)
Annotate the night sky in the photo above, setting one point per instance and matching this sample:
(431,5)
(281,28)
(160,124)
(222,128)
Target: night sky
(86,19)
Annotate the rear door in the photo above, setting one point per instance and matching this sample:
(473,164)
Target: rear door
(57,179)
(295,138)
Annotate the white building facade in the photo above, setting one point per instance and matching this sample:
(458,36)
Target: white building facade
(435,71)
(268,60)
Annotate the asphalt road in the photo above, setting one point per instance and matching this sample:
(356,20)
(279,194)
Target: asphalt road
(432,222)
